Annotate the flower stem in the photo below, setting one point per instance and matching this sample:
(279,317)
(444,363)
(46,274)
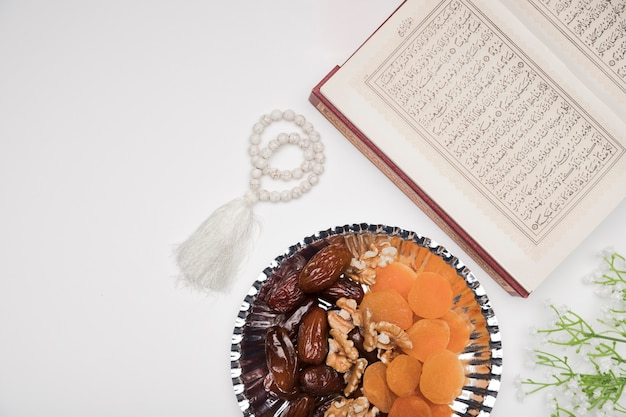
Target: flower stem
(600,381)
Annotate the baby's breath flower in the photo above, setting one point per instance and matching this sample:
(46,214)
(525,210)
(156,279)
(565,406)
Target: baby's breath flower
(617,295)
(583,403)
(573,384)
(550,374)
(530,364)
(601,413)
(604,364)
(589,376)
(519,388)
(552,405)
(562,309)
(607,252)
(590,279)
(602,292)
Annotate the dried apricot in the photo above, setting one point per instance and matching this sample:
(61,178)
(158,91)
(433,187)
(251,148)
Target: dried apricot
(428,336)
(431,295)
(375,387)
(397,276)
(433,263)
(460,330)
(388,306)
(440,410)
(411,406)
(442,377)
(403,375)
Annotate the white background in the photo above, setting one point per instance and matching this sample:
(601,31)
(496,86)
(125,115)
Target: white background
(123,125)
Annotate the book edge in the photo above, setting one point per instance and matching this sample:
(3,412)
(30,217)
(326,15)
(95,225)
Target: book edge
(413,191)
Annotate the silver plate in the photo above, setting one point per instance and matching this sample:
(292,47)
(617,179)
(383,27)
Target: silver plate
(482,357)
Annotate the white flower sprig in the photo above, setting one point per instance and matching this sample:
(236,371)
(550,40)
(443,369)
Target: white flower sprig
(587,376)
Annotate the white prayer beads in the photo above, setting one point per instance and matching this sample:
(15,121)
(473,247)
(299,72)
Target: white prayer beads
(309,170)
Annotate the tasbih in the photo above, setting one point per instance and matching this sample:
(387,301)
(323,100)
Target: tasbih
(210,258)
(313,152)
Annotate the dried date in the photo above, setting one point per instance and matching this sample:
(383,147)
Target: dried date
(312,343)
(321,380)
(286,294)
(324,268)
(282,362)
(343,287)
(357,338)
(324,404)
(291,321)
(288,266)
(302,406)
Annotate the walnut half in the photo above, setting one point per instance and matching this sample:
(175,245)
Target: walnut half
(363,268)
(353,377)
(342,354)
(390,336)
(354,407)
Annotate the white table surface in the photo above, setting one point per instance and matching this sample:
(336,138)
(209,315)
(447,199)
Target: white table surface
(123,125)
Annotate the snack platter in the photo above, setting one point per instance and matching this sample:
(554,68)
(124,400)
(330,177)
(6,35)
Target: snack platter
(254,375)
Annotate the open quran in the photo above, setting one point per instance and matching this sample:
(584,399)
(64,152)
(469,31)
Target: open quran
(503,120)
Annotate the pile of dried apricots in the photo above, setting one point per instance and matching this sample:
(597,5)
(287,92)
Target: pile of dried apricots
(363,335)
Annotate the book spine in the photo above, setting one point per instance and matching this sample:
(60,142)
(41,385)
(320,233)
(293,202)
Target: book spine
(413,192)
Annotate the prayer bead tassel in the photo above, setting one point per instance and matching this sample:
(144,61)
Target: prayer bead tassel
(214,252)
(210,258)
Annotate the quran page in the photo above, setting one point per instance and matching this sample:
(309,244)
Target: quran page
(491,124)
(588,36)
